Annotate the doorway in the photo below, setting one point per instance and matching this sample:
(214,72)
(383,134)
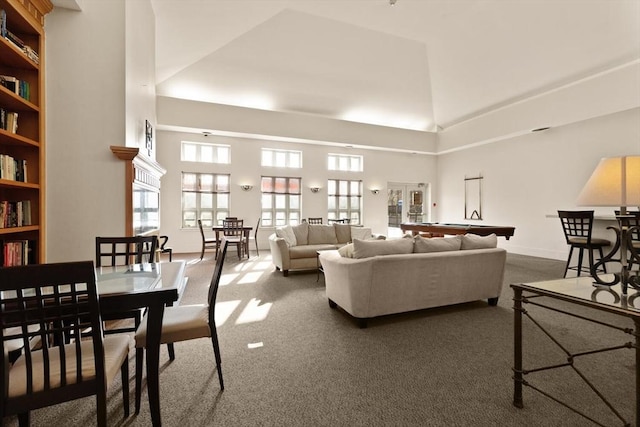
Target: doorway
(406,202)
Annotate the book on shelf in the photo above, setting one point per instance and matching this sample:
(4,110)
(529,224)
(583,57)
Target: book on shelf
(3,23)
(13,169)
(17,252)
(8,120)
(15,214)
(19,87)
(15,40)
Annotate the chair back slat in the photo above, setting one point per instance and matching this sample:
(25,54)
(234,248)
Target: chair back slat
(315,220)
(125,250)
(233,227)
(576,224)
(215,281)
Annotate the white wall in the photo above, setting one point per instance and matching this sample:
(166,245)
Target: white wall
(87,105)
(531,176)
(380,168)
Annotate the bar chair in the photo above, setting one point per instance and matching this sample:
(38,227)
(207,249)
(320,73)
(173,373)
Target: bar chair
(185,322)
(578,227)
(55,300)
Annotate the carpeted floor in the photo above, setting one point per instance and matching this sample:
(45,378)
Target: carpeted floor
(290,360)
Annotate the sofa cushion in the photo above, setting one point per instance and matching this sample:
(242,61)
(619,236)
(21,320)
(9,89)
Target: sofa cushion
(361,233)
(436,244)
(287,234)
(346,251)
(320,233)
(473,241)
(343,232)
(369,248)
(308,251)
(301,232)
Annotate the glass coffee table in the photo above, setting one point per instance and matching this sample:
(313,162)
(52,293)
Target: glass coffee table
(581,292)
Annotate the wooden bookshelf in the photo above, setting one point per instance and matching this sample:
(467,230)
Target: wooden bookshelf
(25,20)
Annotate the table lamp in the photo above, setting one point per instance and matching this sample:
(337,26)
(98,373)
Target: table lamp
(616,183)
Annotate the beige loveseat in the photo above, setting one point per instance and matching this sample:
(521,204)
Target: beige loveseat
(376,278)
(295,247)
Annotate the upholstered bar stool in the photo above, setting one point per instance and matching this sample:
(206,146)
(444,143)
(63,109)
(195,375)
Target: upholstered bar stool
(577,227)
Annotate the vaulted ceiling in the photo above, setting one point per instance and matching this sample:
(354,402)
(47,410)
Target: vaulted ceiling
(418,64)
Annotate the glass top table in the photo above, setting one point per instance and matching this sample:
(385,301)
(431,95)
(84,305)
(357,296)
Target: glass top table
(579,291)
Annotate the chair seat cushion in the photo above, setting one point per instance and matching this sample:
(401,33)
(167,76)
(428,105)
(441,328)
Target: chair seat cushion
(116,351)
(583,241)
(179,323)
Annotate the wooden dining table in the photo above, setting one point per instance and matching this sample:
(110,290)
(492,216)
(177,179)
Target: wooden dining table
(151,286)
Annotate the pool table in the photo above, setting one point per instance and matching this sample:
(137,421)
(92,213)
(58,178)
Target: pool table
(438,228)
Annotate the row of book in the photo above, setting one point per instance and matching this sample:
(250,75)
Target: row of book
(15,40)
(13,169)
(17,252)
(15,214)
(19,87)
(8,120)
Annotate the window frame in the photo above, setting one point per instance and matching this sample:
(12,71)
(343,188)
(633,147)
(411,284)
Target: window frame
(337,193)
(216,155)
(218,187)
(334,161)
(274,152)
(279,211)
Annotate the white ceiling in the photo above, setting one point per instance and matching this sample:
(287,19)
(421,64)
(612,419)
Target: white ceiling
(420,64)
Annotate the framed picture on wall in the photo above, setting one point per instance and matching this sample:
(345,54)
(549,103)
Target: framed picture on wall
(148,140)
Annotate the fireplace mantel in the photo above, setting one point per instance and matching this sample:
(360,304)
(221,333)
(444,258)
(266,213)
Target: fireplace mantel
(142,191)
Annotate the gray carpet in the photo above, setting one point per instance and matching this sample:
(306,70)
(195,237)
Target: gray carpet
(290,360)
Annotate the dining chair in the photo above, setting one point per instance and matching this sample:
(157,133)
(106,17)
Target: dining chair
(113,251)
(578,227)
(339,221)
(186,322)
(632,220)
(164,249)
(254,238)
(233,232)
(45,302)
(207,242)
(315,220)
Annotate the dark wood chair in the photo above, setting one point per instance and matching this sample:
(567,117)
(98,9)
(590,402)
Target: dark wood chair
(207,242)
(577,227)
(164,249)
(339,221)
(314,220)
(113,251)
(233,232)
(186,322)
(254,238)
(59,300)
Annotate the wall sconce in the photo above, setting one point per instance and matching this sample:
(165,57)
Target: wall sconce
(374,191)
(246,187)
(314,189)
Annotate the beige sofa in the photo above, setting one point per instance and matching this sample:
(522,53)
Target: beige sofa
(295,247)
(402,275)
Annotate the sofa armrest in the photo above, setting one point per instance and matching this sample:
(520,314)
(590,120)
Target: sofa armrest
(348,282)
(279,252)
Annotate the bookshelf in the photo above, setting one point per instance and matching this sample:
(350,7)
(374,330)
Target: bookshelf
(22,131)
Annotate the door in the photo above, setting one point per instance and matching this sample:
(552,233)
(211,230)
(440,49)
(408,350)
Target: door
(406,202)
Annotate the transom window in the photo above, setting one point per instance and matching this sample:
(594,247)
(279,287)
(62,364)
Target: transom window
(345,200)
(205,152)
(344,162)
(281,158)
(205,196)
(280,201)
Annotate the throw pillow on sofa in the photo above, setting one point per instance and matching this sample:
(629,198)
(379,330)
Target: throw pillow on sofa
(346,251)
(361,233)
(301,231)
(286,233)
(369,248)
(436,244)
(320,234)
(343,232)
(473,241)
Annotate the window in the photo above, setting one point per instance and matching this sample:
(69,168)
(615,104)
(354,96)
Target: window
(346,163)
(345,200)
(281,158)
(205,152)
(205,196)
(280,201)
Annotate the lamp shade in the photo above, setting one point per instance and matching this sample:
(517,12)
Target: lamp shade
(615,182)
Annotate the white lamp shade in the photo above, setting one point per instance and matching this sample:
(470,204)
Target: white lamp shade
(615,182)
